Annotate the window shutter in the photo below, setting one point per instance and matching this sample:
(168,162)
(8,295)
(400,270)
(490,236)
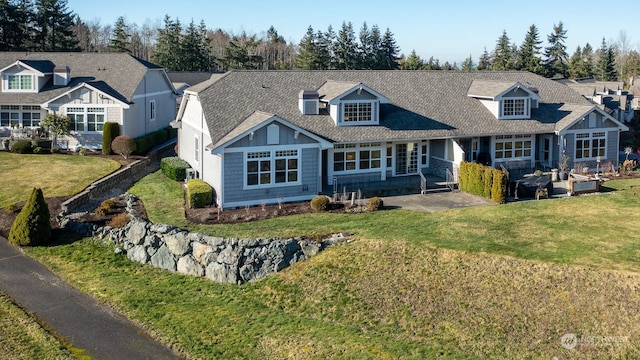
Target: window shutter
(273,134)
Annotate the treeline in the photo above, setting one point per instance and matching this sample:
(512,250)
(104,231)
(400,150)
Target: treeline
(48,25)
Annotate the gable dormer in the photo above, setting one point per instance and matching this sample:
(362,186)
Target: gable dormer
(351,103)
(25,76)
(505,100)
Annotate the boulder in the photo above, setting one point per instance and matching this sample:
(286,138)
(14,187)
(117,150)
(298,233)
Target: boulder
(228,256)
(137,232)
(164,259)
(177,243)
(222,273)
(138,253)
(199,250)
(188,265)
(161,228)
(309,248)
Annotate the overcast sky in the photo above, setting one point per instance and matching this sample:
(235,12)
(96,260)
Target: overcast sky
(447,30)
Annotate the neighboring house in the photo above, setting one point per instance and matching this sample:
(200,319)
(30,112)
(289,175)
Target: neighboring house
(609,94)
(266,136)
(182,80)
(89,88)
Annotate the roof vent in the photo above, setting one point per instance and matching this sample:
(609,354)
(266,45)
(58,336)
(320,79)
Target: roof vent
(308,102)
(61,76)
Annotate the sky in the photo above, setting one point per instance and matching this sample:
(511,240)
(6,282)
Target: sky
(446,30)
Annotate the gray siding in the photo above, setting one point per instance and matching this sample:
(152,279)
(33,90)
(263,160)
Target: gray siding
(234,179)
(363,95)
(601,122)
(516,93)
(287,137)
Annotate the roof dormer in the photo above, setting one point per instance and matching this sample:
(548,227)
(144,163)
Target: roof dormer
(26,76)
(352,103)
(505,100)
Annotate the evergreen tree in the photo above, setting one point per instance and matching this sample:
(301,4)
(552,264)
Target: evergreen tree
(167,52)
(577,65)
(633,64)
(484,62)
(120,37)
(194,48)
(241,53)
(32,226)
(587,58)
(605,65)
(365,48)
(390,51)
(529,53)
(346,48)
(377,51)
(413,62)
(308,51)
(327,43)
(16,23)
(432,64)
(54,26)
(556,53)
(467,64)
(502,58)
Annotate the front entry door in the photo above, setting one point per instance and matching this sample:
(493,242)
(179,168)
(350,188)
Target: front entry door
(407,159)
(545,154)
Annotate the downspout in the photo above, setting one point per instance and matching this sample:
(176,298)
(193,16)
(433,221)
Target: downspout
(144,80)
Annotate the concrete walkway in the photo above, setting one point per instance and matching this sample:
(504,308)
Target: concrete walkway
(78,318)
(436,201)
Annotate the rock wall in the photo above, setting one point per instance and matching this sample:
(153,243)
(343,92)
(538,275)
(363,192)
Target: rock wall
(225,260)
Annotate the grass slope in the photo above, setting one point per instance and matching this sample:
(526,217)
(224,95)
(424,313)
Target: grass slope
(493,282)
(22,338)
(57,175)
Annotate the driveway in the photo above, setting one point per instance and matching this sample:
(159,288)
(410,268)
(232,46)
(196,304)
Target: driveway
(78,318)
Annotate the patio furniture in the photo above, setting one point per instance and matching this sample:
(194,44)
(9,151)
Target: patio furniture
(532,186)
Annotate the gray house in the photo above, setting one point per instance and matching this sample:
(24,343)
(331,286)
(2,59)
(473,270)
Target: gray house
(268,136)
(89,88)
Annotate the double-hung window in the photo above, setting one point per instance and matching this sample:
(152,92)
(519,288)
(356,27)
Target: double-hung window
(272,167)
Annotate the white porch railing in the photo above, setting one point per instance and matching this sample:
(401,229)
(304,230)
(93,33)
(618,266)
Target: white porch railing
(423,183)
(450,180)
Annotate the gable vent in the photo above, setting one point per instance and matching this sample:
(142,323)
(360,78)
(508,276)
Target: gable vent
(61,76)
(308,102)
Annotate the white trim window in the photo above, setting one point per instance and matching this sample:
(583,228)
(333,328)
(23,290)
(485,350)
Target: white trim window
(359,112)
(591,145)
(19,83)
(356,157)
(89,118)
(272,168)
(515,108)
(196,149)
(512,146)
(10,115)
(152,110)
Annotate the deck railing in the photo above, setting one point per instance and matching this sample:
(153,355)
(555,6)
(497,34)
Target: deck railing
(450,180)
(423,183)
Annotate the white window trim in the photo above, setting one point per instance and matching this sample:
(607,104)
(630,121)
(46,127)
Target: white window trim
(196,146)
(5,84)
(383,158)
(590,138)
(374,113)
(273,159)
(527,108)
(86,117)
(512,140)
(152,110)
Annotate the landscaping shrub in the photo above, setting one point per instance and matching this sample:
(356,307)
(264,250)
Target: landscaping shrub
(463,176)
(320,203)
(21,147)
(375,204)
(499,186)
(146,142)
(174,168)
(110,131)
(119,221)
(488,181)
(123,145)
(199,194)
(32,226)
(105,207)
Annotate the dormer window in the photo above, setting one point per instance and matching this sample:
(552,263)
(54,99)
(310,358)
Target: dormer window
(514,108)
(19,83)
(357,112)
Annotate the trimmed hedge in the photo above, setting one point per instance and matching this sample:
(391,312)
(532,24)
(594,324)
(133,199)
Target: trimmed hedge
(147,142)
(21,147)
(484,181)
(174,168)
(32,227)
(199,194)
(110,131)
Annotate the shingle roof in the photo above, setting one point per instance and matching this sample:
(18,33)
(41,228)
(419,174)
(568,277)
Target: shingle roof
(330,89)
(488,88)
(424,104)
(121,72)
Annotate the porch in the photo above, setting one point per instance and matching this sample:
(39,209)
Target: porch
(394,186)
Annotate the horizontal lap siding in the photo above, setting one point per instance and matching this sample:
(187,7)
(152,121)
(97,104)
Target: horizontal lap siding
(234,179)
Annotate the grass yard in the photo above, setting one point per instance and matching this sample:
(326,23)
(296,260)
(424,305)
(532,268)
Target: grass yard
(57,175)
(22,338)
(492,282)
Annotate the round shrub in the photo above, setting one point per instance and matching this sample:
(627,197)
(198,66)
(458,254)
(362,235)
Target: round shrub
(320,203)
(123,145)
(32,226)
(375,204)
(110,131)
(21,147)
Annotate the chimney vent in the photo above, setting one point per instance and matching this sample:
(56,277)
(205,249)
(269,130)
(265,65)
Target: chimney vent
(61,76)
(308,102)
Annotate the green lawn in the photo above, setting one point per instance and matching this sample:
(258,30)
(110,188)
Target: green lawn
(489,282)
(22,338)
(57,175)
